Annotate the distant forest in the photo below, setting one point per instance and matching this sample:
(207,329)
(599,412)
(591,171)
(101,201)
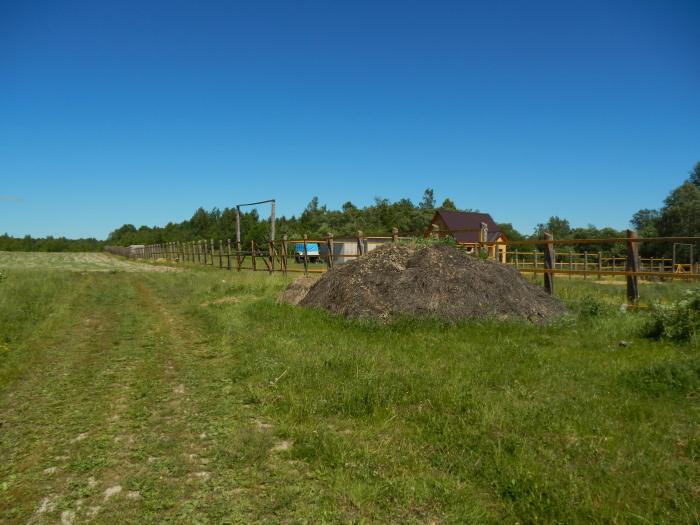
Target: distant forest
(49,244)
(679,216)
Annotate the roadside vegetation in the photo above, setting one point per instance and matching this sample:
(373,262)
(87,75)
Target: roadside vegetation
(192,397)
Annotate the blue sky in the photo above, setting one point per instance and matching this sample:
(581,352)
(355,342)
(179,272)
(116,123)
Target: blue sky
(140,112)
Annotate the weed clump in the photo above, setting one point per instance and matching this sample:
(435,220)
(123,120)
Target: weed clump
(679,321)
(590,306)
(671,377)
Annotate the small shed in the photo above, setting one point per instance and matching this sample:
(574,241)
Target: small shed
(470,225)
(345,248)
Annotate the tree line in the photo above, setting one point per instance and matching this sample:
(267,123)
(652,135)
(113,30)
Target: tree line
(49,244)
(679,216)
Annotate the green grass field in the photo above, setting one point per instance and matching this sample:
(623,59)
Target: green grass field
(192,397)
(76,262)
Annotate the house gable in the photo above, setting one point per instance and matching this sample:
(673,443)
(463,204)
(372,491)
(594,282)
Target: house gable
(460,220)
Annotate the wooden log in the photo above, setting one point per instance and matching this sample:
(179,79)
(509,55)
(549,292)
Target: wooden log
(306,257)
(271,250)
(329,247)
(484,239)
(549,263)
(283,254)
(252,253)
(632,266)
(534,264)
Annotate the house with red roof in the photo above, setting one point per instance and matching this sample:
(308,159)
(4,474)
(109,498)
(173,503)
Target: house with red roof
(466,227)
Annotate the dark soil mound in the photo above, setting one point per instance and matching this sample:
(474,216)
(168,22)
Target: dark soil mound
(434,281)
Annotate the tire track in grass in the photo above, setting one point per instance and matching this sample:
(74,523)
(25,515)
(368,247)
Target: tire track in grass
(96,431)
(54,416)
(253,477)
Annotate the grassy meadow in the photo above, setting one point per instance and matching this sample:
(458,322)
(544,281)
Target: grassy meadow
(132,396)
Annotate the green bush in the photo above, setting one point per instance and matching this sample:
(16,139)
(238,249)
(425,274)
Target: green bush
(678,321)
(591,306)
(447,240)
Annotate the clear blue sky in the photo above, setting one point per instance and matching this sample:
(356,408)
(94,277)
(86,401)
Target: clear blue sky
(140,112)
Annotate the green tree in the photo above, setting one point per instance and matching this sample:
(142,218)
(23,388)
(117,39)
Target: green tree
(695,175)
(560,228)
(448,204)
(428,200)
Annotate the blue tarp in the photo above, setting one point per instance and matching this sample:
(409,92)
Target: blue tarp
(311,248)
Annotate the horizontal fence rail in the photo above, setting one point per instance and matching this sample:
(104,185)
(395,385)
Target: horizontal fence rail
(311,256)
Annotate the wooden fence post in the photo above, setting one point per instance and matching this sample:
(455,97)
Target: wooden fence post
(632,266)
(571,264)
(306,257)
(360,243)
(228,254)
(484,237)
(534,264)
(239,261)
(252,253)
(329,247)
(395,235)
(549,263)
(283,254)
(221,250)
(212,251)
(585,264)
(600,265)
(517,263)
(271,254)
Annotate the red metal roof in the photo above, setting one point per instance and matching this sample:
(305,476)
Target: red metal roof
(467,220)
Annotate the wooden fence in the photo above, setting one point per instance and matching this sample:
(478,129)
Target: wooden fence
(276,256)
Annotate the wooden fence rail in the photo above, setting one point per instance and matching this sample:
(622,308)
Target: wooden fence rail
(274,256)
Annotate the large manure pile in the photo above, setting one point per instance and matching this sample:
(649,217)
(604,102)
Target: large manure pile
(434,281)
